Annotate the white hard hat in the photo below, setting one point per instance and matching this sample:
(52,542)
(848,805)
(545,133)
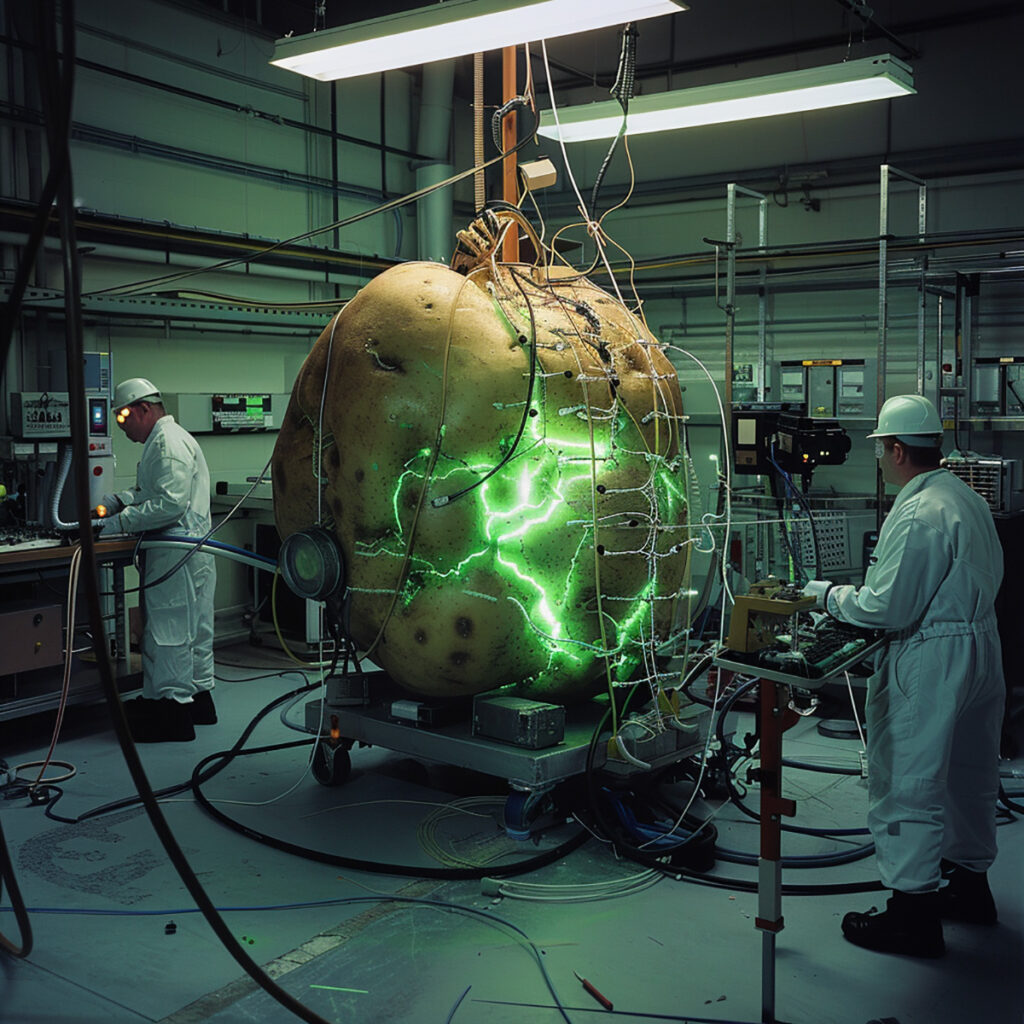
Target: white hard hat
(135,390)
(911,419)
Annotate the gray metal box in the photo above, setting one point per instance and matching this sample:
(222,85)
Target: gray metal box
(526,723)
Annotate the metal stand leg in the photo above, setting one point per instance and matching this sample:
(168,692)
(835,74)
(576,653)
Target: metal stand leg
(773,806)
(121,632)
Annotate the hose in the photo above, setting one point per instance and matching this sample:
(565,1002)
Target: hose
(217,547)
(63,469)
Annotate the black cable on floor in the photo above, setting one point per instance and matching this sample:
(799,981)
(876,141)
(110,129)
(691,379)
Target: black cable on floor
(680,872)
(1009,804)
(180,787)
(737,799)
(358,864)
(17,904)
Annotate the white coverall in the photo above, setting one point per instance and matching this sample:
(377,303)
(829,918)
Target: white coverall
(935,705)
(172,496)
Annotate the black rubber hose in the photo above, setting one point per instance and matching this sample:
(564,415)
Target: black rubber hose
(358,864)
(17,904)
(648,860)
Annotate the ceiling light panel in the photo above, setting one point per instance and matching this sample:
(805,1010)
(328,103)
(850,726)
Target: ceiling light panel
(835,85)
(451,29)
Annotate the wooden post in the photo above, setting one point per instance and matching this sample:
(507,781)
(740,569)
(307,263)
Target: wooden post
(510,191)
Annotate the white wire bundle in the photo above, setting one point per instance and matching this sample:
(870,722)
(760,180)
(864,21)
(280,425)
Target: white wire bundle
(575,892)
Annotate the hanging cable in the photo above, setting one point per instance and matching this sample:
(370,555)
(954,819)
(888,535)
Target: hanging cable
(622,91)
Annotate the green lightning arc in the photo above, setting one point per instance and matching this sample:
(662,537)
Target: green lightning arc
(546,490)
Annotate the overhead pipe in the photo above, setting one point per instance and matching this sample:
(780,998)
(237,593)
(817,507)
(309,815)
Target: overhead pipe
(188,261)
(434,211)
(199,97)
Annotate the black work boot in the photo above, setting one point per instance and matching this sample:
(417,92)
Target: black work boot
(202,708)
(159,720)
(910,925)
(966,897)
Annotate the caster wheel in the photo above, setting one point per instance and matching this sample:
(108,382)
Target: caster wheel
(522,809)
(331,765)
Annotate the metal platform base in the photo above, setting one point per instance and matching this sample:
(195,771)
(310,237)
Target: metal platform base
(453,743)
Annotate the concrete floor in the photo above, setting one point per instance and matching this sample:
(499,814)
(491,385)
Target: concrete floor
(117,936)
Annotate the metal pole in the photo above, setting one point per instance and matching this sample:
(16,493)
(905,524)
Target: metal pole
(886,171)
(731,191)
(730,302)
(922,309)
(769,872)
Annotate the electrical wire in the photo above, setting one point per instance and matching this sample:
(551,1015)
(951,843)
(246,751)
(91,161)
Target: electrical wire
(199,776)
(622,91)
(426,833)
(727,525)
(592,226)
(587,892)
(660,863)
(182,787)
(218,761)
(447,499)
(488,918)
(73,571)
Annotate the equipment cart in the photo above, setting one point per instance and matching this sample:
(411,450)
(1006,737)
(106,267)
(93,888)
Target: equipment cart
(540,745)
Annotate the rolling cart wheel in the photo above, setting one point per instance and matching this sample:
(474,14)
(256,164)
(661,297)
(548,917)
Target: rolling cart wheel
(331,764)
(522,809)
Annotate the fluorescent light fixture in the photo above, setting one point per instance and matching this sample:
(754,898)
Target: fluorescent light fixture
(835,85)
(451,29)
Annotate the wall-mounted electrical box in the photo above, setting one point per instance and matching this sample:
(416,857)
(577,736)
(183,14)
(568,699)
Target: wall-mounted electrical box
(998,386)
(227,413)
(830,388)
(48,414)
(40,414)
(96,373)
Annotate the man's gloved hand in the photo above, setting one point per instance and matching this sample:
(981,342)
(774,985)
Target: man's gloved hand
(818,589)
(112,503)
(110,526)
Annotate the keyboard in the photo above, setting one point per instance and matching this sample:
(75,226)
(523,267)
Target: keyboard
(833,648)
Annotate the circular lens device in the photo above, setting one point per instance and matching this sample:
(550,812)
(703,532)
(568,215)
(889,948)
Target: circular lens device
(311,565)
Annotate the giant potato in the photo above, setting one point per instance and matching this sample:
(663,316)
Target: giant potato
(497,454)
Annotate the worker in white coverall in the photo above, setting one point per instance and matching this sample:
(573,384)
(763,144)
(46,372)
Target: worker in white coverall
(171,496)
(935,704)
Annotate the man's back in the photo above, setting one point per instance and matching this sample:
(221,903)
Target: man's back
(938,561)
(951,544)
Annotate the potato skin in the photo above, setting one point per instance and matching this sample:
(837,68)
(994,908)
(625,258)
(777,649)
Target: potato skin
(473,430)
